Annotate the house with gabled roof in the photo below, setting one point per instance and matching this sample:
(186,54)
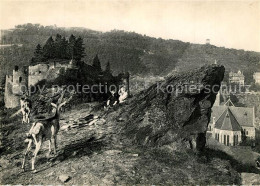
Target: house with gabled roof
(228,123)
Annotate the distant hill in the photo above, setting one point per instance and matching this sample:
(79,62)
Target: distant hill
(126,51)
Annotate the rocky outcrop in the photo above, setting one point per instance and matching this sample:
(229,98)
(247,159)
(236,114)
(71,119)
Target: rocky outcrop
(250,178)
(175,110)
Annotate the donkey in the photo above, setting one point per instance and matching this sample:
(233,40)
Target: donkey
(45,129)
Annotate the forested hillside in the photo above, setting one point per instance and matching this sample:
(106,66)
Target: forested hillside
(126,51)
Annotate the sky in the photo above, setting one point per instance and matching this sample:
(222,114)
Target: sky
(231,24)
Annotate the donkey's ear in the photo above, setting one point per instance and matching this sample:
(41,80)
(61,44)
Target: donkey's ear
(54,105)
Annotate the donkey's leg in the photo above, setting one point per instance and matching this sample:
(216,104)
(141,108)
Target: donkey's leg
(26,152)
(53,139)
(49,152)
(37,148)
(27,118)
(24,119)
(55,143)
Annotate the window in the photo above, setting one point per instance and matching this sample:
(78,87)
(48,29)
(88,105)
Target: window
(16,68)
(20,79)
(40,72)
(224,139)
(227,140)
(218,137)
(235,141)
(246,132)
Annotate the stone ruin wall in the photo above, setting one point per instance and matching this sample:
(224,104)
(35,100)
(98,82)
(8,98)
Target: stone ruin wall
(42,71)
(19,82)
(37,73)
(23,77)
(10,99)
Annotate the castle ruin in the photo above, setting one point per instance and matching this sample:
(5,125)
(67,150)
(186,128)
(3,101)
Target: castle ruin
(28,76)
(22,78)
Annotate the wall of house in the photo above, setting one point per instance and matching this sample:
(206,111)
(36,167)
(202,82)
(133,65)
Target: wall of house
(238,78)
(227,133)
(249,132)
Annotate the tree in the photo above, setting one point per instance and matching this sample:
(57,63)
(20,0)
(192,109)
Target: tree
(38,54)
(96,64)
(63,48)
(48,49)
(108,69)
(78,49)
(38,49)
(58,46)
(70,48)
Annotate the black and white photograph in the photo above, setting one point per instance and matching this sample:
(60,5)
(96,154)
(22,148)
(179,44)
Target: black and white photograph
(129,92)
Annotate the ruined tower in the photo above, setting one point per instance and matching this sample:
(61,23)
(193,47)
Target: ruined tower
(19,80)
(15,85)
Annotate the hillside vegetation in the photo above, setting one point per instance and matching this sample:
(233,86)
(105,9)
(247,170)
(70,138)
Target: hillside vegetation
(126,51)
(97,154)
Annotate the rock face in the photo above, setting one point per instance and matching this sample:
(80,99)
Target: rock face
(175,110)
(250,178)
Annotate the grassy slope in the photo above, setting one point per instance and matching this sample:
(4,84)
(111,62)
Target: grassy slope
(98,155)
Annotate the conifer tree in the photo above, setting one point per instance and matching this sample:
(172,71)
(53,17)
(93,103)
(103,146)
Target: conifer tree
(63,48)
(78,49)
(108,69)
(96,64)
(58,46)
(38,50)
(48,49)
(38,53)
(70,48)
